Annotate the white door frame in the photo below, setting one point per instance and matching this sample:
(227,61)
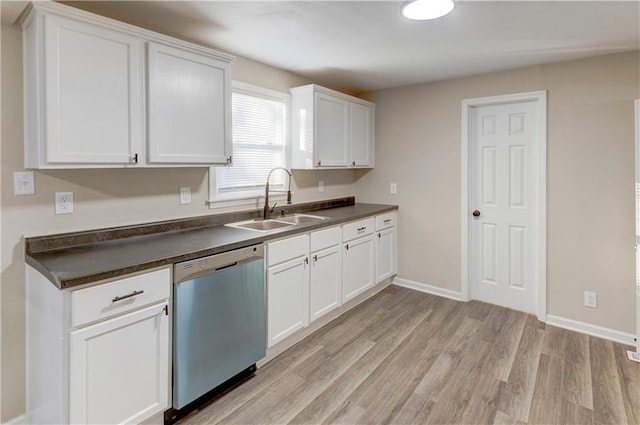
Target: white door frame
(637,197)
(540,284)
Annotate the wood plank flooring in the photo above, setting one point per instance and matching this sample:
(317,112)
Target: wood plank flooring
(404,357)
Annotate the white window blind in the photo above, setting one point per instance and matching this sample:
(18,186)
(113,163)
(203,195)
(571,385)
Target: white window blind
(259,135)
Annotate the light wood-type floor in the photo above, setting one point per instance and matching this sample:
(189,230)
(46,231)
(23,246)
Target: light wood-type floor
(405,357)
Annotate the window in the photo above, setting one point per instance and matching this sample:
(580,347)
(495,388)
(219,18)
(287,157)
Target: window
(259,137)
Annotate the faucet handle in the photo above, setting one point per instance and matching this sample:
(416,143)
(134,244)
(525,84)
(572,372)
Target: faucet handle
(272,208)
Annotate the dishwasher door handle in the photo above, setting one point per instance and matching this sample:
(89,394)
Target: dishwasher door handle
(227,266)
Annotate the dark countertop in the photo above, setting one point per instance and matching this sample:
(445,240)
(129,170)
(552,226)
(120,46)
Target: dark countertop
(111,256)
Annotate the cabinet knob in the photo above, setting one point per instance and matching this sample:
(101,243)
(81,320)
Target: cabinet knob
(319,163)
(134,158)
(315,258)
(229,160)
(476,213)
(346,247)
(353,163)
(306,260)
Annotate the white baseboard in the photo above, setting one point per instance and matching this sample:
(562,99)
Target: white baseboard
(429,289)
(561,322)
(593,330)
(20,420)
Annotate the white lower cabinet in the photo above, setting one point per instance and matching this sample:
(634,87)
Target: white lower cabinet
(326,273)
(287,287)
(98,354)
(118,368)
(385,246)
(311,275)
(304,281)
(288,298)
(357,258)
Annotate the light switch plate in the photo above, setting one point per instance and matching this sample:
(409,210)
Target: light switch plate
(64,202)
(185,195)
(23,183)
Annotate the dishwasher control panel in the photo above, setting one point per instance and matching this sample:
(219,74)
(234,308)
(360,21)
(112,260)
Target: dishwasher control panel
(205,265)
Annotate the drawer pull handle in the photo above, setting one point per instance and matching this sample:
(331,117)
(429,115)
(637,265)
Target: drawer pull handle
(315,258)
(387,221)
(124,297)
(360,229)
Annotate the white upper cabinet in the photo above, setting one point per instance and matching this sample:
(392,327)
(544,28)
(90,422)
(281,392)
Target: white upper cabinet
(86,99)
(330,129)
(84,94)
(361,135)
(189,119)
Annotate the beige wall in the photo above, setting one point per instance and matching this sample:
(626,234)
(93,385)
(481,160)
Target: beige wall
(102,198)
(590,189)
(590,168)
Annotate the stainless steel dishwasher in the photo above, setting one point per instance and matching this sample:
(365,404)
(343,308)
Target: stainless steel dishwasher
(219,325)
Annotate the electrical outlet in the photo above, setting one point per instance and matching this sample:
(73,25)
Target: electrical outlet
(64,202)
(320,185)
(185,195)
(590,299)
(393,188)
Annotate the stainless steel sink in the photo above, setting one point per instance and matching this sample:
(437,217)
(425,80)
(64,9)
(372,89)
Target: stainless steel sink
(279,223)
(261,225)
(301,218)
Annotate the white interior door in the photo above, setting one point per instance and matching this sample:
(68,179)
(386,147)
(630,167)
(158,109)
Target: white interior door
(504,195)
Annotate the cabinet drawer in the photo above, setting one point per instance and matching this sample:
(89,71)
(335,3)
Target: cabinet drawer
(286,249)
(97,302)
(324,239)
(357,228)
(385,220)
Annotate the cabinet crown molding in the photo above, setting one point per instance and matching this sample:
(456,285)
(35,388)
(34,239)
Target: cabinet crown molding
(49,7)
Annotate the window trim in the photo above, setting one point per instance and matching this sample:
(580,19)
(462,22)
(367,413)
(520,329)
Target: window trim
(253,197)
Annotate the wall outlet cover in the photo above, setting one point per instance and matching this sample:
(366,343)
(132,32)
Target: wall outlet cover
(185,195)
(393,188)
(590,299)
(23,183)
(64,202)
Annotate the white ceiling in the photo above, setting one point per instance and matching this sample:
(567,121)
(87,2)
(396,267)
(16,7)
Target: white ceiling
(368,45)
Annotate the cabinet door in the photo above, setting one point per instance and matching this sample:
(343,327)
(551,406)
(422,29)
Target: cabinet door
(189,107)
(325,282)
(288,298)
(385,253)
(331,131)
(361,135)
(357,267)
(94,94)
(119,368)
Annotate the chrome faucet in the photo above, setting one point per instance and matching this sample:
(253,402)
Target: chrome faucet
(268,210)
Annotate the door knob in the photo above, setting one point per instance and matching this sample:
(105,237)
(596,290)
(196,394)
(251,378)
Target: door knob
(476,213)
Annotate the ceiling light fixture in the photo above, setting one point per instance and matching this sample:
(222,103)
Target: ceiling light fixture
(422,10)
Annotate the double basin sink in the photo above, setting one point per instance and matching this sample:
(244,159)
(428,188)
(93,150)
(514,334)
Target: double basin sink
(280,223)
